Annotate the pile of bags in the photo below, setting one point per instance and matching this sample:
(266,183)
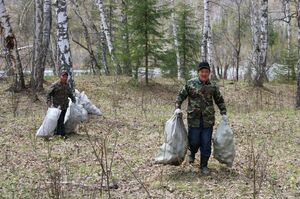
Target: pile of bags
(76,113)
(224,150)
(175,145)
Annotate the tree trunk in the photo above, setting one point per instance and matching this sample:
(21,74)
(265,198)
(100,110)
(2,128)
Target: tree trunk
(176,45)
(10,45)
(298,64)
(93,60)
(101,39)
(37,45)
(63,43)
(146,56)
(103,51)
(106,31)
(238,45)
(288,21)
(204,43)
(47,25)
(260,75)
(125,37)
(210,58)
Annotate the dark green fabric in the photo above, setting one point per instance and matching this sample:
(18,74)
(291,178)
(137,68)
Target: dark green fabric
(58,95)
(200,102)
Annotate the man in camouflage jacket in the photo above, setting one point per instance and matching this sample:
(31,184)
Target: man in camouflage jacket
(201,114)
(58,97)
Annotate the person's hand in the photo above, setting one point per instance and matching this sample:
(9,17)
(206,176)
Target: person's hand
(178,111)
(225,118)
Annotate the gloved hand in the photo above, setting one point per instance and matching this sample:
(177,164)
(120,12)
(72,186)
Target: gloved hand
(178,111)
(225,118)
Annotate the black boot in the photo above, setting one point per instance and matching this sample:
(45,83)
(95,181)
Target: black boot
(203,166)
(191,157)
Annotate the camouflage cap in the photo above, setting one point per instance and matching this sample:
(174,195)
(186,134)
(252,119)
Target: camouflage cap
(64,72)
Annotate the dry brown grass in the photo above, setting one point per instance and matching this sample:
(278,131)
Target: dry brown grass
(136,114)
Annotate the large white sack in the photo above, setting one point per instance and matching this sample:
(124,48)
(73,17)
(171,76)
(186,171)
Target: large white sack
(174,149)
(88,105)
(74,115)
(224,150)
(50,122)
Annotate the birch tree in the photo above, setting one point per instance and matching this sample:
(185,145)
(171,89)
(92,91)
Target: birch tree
(88,47)
(10,45)
(106,30)
(176,44)
(298,64)
(101,38)
(260,75)
(63,43)
(204,43)
(288,22)
(254,24)
(47,25)
(37,44)
(207,42)
(42,24)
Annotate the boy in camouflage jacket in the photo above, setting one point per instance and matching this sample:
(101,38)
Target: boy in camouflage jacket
(201,114)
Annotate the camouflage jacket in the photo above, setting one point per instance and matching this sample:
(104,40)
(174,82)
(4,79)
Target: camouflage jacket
(200,102)
(58,95)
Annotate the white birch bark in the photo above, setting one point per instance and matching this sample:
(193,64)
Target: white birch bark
(10,45)
(176,44)
(255,29)
(103,51)
(210,56)
(63,43)
(263,43)
(204,43)
(108,37)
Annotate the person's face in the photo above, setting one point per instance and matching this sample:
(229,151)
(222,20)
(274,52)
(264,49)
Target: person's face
(204,74)
(64,78)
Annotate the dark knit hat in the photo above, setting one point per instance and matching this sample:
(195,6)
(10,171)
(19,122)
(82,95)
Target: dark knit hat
(203,65)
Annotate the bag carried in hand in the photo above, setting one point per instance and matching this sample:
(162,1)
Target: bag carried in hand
(223,141)
(74,115)
(50,122)
(174,149)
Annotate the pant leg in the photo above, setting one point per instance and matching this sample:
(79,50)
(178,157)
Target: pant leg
(60,123)
(194,139)
(205,141)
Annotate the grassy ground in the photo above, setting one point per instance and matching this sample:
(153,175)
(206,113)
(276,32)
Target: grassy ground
(267,136)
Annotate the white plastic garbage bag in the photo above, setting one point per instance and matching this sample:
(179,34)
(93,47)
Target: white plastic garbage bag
(74,115)
(224,150)
(50,122)
(83,99)
(174,149)
(88,105)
